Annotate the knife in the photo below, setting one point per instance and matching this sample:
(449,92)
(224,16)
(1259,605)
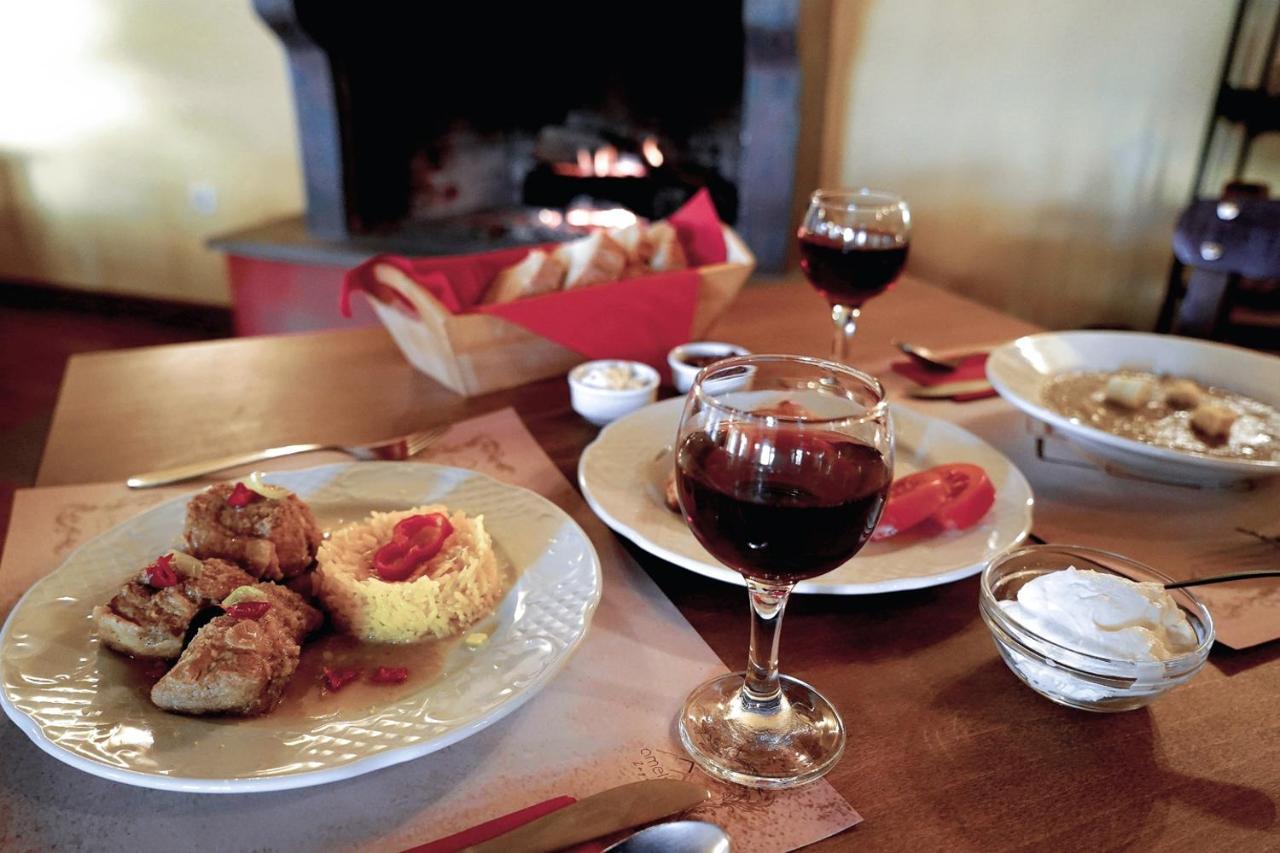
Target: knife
(600,814)
(949,389)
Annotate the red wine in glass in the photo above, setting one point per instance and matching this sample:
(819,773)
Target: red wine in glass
(782,475)
(850,273)
(781,506)
(853,245)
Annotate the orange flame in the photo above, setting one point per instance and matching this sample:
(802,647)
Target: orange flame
(606,158)
(652,153)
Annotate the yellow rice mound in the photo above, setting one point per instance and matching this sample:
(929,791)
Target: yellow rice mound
(455,588)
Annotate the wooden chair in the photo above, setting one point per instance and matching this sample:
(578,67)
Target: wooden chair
(1229,285)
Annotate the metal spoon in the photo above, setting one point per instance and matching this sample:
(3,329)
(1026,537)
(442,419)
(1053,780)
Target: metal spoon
(1234,576)
(927,357)
(678,836)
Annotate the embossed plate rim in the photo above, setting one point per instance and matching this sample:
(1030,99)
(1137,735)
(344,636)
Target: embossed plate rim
(423,477)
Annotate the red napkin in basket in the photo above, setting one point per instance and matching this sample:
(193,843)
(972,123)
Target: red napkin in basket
(971,367)
(698,226)
(493,828)
(640,318)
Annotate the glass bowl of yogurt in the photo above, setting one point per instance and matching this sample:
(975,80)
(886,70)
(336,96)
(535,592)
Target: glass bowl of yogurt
(1090,629)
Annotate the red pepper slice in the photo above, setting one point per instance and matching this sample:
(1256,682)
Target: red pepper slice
(390,675)
(416,540)
(249,609)
(336,679)
(152,670)
(161,573)
(242,495)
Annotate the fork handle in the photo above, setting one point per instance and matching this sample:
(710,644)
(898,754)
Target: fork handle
(165,476)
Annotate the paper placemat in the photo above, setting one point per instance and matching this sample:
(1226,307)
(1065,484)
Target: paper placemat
(608,718)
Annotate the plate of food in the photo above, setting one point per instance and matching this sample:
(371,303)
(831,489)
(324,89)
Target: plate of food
(1158,406)
(298,629)
(983,503)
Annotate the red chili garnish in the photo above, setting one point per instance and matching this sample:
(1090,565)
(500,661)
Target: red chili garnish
(160,574)
(249,609)
(242,495)
(336,679)
(416,540)
(389,675)
(152,670)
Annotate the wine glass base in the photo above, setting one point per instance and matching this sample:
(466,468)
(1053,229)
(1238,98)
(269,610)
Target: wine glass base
(782,744)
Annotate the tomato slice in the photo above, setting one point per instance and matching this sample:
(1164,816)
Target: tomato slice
(969,495)
(912,499)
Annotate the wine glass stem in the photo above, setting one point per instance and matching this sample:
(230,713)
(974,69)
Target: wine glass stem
(761,690)
(845,319)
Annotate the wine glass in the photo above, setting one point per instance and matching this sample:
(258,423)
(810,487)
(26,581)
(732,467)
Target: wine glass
(783,464)
(853,245)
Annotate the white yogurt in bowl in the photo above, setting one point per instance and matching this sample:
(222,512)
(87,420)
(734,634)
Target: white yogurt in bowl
(1106,638)
(1103,614)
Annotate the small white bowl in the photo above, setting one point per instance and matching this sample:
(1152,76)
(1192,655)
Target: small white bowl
(601,405)
(683,373)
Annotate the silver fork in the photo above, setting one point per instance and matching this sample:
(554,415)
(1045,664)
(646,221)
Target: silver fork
(393,449)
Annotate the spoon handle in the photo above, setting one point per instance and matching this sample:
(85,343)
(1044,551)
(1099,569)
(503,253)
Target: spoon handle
(1234,576)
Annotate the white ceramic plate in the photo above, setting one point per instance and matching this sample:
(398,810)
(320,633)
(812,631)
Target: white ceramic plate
(67,693)
(622,475)
(1018,370)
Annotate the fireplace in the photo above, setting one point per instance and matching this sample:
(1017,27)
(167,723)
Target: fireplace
(446,128)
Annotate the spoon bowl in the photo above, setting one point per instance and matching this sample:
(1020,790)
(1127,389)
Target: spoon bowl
(926,357)
(678,836)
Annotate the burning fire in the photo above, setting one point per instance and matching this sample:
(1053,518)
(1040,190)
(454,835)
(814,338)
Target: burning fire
(608,162)
(588,217)
(652,153)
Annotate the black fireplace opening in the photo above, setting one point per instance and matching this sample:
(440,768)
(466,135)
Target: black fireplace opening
(461,127)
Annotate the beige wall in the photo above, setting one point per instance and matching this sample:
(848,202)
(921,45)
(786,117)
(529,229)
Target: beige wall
(111,113)
(1045,147)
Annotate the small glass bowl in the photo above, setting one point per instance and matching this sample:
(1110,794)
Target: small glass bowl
(1076,679)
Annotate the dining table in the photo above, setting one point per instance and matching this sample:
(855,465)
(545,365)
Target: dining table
(947,750)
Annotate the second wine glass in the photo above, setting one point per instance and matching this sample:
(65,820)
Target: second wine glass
(853,245)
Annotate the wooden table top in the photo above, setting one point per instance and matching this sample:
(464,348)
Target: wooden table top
(946,749)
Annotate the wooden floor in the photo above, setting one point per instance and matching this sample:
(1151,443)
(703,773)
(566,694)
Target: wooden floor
(35,342)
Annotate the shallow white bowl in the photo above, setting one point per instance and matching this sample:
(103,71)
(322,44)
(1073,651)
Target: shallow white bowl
(682,374)
(602,405)
(1019,370)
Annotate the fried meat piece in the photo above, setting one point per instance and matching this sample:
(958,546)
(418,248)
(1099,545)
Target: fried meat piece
(146,622)
(240,665)
(271,539)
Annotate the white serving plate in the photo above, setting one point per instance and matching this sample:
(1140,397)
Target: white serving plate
(1019,369)
(64,691)
(622,473)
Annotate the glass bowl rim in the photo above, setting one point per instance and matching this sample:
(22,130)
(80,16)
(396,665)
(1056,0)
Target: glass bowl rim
(992,610)
(857,198)
(875,412)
